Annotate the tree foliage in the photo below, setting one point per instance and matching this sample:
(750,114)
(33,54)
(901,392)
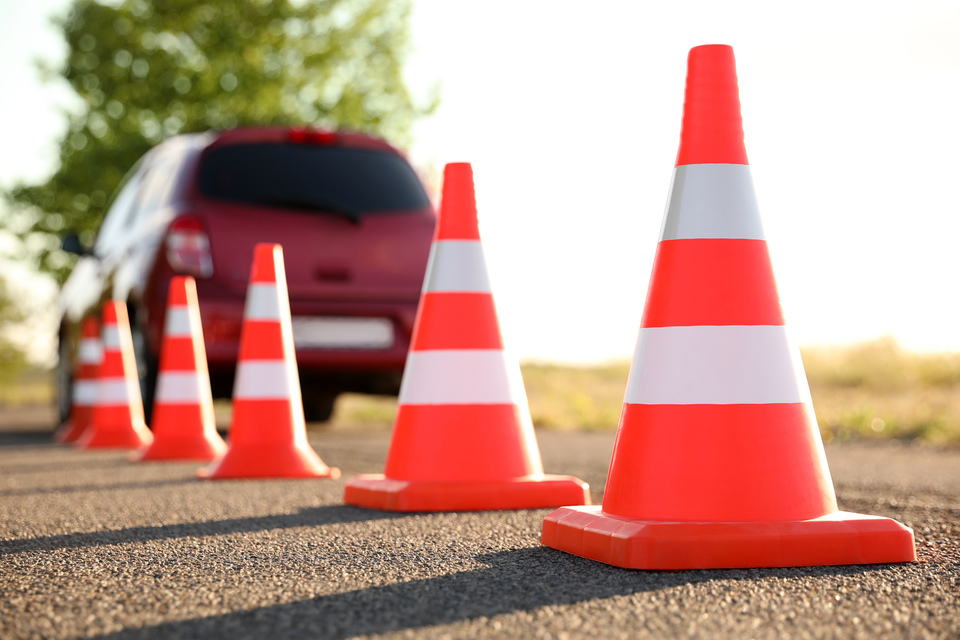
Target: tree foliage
(148,69)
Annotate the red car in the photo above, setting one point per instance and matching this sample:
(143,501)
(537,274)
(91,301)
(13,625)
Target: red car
(351,214)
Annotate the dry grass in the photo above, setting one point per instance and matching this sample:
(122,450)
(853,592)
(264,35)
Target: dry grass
(567,397)
(876,390)
(873,391)
(29,388)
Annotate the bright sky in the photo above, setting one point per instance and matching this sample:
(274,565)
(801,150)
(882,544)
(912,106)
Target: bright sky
(571,117)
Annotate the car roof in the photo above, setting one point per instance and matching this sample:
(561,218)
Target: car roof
(246,135)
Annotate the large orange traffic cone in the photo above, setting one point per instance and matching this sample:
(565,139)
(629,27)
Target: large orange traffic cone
(183,426)
(718,461)
(463,439)
(117,419)
(84,395)
(268,435)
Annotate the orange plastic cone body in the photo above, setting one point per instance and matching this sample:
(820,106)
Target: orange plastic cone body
(268,435)
(463,439)
(117,418)
(89,356)
(183,426)
(718,461)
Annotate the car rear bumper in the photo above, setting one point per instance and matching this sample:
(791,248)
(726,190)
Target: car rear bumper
(366,370)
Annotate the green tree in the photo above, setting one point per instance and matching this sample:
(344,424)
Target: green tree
(147,69)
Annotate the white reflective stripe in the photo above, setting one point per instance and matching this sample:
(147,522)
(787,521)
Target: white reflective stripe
(111,337)
(264,380)
(457,265)
(467,376)
(90,351)
(178,386)
(177,324)
(113,391)
(85,392)
(711,201)
(716,365)
(263,302)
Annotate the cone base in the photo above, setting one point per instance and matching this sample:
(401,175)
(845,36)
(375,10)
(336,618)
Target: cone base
(74,427)
(264,461)
(68,432)
(534,492)
(199,449)
(99,439)
(835,539)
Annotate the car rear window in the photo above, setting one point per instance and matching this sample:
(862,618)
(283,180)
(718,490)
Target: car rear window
(312,177)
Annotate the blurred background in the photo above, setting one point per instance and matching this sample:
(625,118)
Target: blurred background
(570,115)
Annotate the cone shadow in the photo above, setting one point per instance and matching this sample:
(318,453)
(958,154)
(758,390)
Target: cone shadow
(517,580)
(27,438)
(143,484)
(311,517)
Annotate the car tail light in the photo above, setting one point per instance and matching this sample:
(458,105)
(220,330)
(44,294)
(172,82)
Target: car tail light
(312,136)
(188,248)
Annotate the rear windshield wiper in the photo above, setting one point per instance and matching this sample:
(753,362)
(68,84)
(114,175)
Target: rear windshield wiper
(308,202)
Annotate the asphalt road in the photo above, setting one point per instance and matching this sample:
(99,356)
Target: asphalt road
(92,545)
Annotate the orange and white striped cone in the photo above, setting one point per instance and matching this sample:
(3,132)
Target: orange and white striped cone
(184,427)
(84,395)
(268,435)
(718,461)
(463,439)
(117,419)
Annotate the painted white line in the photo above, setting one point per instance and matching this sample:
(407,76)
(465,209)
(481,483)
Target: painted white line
(462,376)
(457,265)
(90,351)
(263,302)
(179,387)
(177,323)
(711,201)
(85,392)
(111,338)
(114,391)
(716,365)
(264,380)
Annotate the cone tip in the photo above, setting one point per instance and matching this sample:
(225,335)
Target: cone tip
(179,293)
(113,312)
(711,50)
(458,204)
(712,129)
(266,257)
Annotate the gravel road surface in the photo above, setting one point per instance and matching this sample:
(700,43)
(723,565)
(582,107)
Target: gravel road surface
(92,545)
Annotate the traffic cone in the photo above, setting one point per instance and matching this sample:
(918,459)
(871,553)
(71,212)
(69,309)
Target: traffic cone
(84,395)
(184,427)
(117,418)
(463,439)
(718,461)
(268,435)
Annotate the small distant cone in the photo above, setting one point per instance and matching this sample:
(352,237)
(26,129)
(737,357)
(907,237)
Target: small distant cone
(183,426)
(718,461)
(463,439)
(89,356)
(268,435)
(117,419)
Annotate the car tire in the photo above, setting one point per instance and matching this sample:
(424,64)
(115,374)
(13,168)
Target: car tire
(318,407)
(64,378)
(146,370)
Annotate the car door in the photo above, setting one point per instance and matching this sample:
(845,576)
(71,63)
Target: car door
(86,288)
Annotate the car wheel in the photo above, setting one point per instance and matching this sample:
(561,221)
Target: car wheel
(64,378)
(318,407)
(146,369)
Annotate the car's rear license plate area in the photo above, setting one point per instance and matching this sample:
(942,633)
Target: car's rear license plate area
(342,333)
